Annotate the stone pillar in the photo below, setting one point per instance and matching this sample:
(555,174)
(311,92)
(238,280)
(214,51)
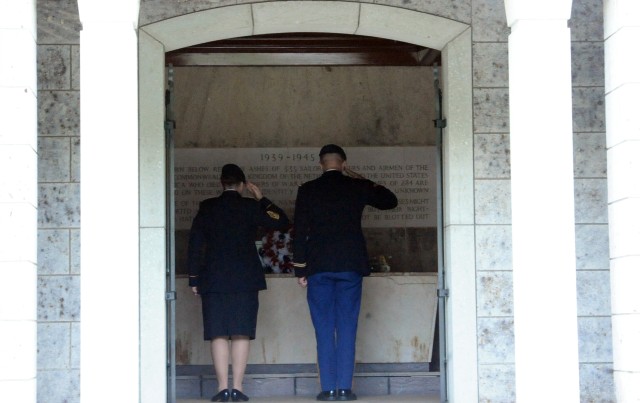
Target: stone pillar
(622,96)
(110,330)
(544,277)
(18,201)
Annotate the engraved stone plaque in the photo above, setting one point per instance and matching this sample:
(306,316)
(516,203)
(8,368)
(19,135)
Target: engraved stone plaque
(410,172)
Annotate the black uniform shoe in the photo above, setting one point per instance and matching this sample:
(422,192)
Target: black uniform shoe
(222,396)
(345,395)
(327,396)
(237,396)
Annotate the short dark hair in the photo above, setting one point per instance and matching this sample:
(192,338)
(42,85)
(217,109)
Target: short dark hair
(232,175)
(333,149)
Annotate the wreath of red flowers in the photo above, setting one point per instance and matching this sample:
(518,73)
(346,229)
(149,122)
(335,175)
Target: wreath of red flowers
(276,251)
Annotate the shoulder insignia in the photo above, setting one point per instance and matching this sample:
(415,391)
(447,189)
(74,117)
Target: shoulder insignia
(273,215)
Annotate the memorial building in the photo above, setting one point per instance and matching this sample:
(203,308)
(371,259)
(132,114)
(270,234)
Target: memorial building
(507,129)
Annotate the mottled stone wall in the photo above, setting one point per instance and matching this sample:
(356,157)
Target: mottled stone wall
(590,189)
(492,200)
(496,375)
(59,202)
(59,269)
(158,10)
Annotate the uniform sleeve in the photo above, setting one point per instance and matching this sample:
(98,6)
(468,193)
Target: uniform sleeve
(301,233)
(196,250)
(380,197)
(271,216)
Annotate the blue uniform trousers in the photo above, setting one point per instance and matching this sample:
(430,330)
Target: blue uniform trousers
(334,304)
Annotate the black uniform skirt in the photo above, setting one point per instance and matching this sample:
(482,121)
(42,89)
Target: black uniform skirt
(230,314)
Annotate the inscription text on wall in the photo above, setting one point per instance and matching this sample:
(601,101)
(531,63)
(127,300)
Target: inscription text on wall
(408,171)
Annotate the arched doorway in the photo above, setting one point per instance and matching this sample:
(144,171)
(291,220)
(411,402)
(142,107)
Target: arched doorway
(452,38)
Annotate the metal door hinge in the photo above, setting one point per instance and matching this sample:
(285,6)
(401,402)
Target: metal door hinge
(443,292)
(440,123)
(170,296)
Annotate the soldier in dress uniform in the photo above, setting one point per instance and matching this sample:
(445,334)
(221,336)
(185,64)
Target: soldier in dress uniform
(330,258)
(227,273)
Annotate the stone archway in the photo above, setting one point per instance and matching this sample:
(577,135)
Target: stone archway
(451,37)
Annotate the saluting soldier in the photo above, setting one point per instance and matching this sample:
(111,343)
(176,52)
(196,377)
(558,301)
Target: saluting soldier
(226,271)
(330,258)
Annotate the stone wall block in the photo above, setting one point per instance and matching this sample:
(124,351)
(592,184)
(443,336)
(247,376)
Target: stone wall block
(58,113)
(53,251)
(75,159)
(54,67)
(410,385)
(594,339)
(587,64)
(307,386)
(592,247)
(369,386)
(596,383)
(59,205)
(75,345)
(490,64)
(489,21)
(157,10)
(74,252)
(590,201)
(589,155)
(492,156)
(59,386)
(495,293)
(593,293)
(588,109)
(493,247)
(493,201)
(491,110)
(54,159)
(58,22)
(58,298)
(268,387)
(496,383)
(458,10)
(75,67)
(54,345)
(586,20)
(496,341)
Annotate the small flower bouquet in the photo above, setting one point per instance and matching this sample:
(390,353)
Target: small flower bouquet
(276,252)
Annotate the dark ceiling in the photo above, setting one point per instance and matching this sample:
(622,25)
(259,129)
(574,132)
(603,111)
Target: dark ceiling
(304,49)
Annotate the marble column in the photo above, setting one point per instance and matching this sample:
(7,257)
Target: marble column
(18,201)
(110,330)
(622,97)
(544,267)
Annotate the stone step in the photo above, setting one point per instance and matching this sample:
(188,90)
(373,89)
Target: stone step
(270,381)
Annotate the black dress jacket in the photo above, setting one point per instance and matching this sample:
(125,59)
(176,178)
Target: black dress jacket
(222,251)
(327,224)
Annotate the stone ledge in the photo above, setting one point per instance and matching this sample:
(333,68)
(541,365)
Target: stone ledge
(302,380)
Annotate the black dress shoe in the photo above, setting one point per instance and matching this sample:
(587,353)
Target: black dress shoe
(345,395)
(327,396)
(222,396)
(237,396)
